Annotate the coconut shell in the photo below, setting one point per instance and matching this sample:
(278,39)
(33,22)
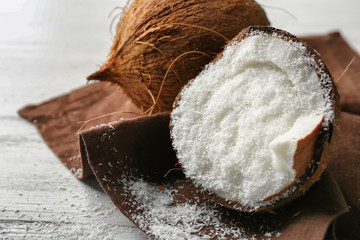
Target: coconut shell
(169,42)
(312,154)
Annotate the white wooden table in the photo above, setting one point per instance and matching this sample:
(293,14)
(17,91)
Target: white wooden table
(48,48)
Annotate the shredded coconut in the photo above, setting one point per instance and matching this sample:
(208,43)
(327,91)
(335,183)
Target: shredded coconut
(165,219)
(77,172)
(237,124)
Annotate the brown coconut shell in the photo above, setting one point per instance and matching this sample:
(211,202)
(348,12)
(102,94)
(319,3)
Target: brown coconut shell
(162,41)
(313,152)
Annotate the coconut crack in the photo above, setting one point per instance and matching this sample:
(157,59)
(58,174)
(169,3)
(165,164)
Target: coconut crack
(238,126)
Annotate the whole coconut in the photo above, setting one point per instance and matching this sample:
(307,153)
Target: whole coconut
(160,45)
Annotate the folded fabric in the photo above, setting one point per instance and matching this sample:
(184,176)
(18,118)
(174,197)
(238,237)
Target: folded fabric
(58,119)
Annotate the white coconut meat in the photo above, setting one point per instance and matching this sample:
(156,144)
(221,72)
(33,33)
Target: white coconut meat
(237,124)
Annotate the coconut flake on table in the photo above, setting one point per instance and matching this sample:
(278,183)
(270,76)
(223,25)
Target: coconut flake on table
(236,125)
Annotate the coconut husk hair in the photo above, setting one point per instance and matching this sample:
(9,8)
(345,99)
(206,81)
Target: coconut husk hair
(160,45)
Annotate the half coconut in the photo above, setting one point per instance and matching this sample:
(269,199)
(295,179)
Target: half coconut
(255,128)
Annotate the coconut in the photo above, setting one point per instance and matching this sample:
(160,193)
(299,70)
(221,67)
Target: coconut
(160,44)
(255,128)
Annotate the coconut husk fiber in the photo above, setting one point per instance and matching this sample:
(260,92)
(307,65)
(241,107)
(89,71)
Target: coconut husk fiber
(129,145)
(154,34)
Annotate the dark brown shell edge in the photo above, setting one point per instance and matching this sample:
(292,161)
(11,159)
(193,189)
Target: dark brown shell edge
(324,145)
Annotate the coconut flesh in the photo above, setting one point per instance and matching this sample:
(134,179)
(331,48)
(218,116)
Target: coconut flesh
(239,126)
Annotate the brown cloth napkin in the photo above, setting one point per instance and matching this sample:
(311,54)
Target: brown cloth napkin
(136,147)
(58,119)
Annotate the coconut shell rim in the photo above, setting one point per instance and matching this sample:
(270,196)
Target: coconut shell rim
(326,140)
